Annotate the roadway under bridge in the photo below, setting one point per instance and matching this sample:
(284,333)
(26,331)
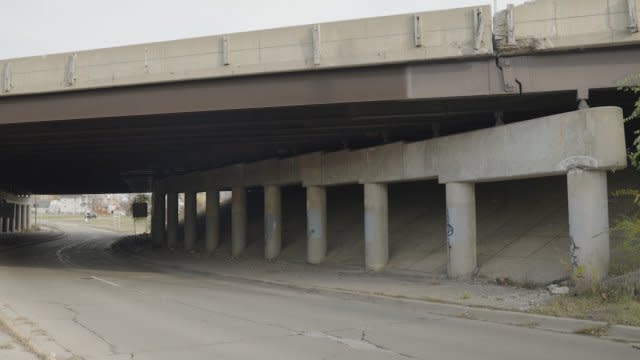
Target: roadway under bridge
(453,97)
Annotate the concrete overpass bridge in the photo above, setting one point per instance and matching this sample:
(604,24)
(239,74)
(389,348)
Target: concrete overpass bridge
(450,95)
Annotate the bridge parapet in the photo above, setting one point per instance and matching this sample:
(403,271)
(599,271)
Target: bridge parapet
(547,25)
(425,36)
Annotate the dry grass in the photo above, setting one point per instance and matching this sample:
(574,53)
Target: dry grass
(593,331)
(624,310)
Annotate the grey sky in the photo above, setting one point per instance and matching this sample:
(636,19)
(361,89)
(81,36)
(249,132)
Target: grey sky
(37,27)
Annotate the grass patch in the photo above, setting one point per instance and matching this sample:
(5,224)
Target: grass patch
(623,310)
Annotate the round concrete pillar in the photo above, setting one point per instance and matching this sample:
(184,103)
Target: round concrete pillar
(25,217)
(461,229)
(20,218)
(190,220)
(172,220)
(2,222)
(376,226)
(28,212)
(158,219)
(212,236)
(238,220)
(588,224)
(272,221)
(316,224)
(12,218)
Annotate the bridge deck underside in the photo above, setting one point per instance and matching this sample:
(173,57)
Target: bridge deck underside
(114,140)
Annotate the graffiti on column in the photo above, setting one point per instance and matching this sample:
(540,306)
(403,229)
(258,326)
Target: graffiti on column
(573,249)
(450,230)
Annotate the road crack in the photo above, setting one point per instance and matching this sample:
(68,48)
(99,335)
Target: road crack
(112,348)
(361,344)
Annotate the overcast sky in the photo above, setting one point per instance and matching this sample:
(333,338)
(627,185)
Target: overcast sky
(38,27)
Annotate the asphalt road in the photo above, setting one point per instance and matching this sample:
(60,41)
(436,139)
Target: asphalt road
(101,305)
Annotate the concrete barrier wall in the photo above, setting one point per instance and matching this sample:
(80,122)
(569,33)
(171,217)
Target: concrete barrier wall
(586,139)
(393,39)
(545,25)
(540,25)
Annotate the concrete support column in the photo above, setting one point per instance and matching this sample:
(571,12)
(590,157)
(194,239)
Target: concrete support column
(316,224)
(588,224)
(461,229)
(272,221)
(19,218)
(190,220)
(376,226)
(29,207)
(158,219)
(12,219)
(172,220)
(238,220)
(212,235)
(2,222)
(25,217)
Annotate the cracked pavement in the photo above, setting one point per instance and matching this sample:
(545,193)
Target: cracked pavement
(101,305)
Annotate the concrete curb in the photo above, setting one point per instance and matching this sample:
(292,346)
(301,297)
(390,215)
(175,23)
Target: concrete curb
(33,338)
(512,318)
(565,325)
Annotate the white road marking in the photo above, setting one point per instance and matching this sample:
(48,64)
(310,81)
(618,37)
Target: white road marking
(105,281)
